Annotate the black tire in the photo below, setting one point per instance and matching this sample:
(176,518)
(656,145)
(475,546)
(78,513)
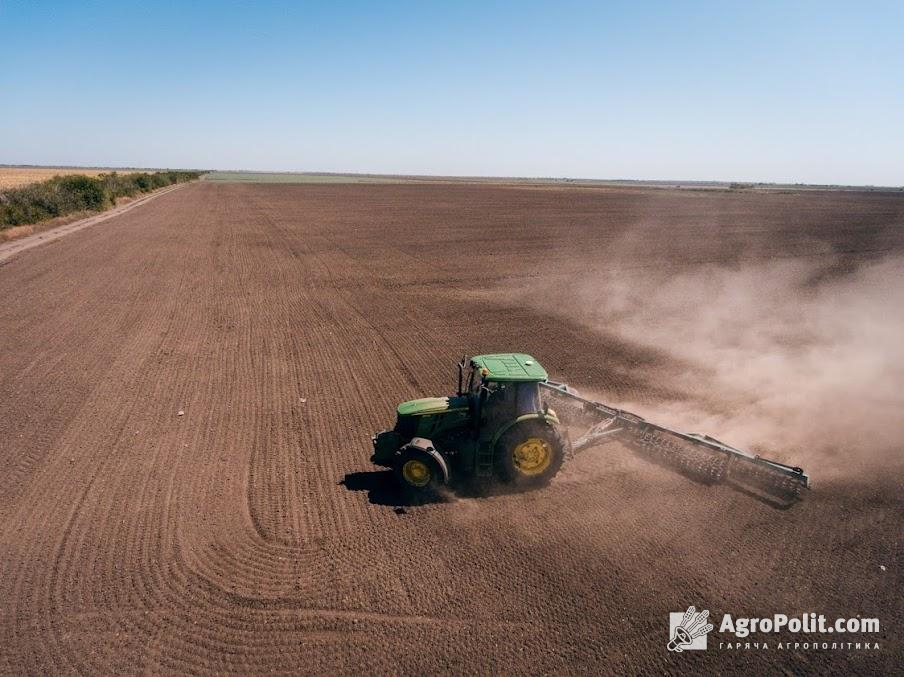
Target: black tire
(408,469)
(530,454)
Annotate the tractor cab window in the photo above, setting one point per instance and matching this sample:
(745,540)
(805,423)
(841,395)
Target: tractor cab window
(498,404)
(515,399)
(497,392)
(527,398)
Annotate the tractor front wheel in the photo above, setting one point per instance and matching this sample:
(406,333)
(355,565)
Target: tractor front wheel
(417,472)
(530,454)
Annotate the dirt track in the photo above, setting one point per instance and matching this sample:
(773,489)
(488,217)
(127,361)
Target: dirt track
(251,534)
(21,244)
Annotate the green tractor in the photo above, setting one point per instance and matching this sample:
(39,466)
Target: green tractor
(496,427)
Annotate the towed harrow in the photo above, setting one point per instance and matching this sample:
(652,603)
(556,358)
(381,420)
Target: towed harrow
(696,454)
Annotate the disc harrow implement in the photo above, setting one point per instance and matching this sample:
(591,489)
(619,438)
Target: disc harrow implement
(699,456)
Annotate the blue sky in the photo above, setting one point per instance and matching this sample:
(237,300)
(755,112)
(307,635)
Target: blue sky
(759,91)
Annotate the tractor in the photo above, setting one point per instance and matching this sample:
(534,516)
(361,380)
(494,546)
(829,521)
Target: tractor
(499,427)
(494,427)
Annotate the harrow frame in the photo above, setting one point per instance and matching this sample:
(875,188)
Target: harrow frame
(699,454)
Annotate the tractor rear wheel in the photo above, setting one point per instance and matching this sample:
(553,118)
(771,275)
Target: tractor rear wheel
(530,454)
(417,472)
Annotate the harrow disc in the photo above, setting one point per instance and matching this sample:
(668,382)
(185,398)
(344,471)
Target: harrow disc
(703,464)
(772,482)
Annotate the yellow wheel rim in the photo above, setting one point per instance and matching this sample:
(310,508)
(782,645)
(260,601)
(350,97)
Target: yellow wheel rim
(416,473)
(532,456)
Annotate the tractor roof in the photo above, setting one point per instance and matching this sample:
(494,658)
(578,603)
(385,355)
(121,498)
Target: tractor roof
(510,367)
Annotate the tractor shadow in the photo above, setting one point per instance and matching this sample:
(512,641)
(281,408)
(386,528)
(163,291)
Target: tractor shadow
(383,489)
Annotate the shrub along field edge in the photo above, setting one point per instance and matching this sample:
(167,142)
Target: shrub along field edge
(68,194)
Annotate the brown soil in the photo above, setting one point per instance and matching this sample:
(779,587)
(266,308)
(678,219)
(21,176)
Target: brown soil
(286,321)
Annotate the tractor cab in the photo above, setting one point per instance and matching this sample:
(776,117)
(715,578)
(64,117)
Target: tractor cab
(500,388)
(495,425)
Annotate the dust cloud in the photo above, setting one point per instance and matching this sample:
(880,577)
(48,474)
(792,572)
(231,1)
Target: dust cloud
(801,358)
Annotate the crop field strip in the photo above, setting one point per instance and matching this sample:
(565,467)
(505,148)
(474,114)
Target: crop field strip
(286,321)
(296,177)
(13,177)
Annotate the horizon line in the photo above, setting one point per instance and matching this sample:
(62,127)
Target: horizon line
(481,177)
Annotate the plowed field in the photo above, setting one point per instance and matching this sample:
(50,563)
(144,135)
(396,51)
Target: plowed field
(250,534)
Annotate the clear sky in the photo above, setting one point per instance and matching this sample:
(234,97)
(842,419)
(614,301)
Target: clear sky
(759,91)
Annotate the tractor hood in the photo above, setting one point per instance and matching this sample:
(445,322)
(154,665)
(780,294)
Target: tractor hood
(432,405)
